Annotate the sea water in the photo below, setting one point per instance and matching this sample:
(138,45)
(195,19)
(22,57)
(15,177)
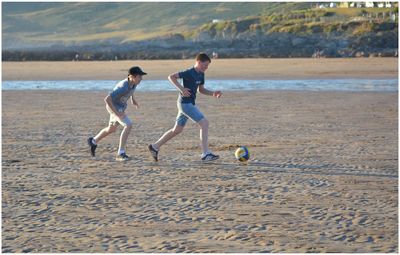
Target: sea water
(377,85)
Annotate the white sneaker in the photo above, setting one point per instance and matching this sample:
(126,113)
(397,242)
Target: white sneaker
(209,157)
(122,157)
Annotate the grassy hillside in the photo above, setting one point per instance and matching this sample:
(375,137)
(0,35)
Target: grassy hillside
(41,24)
(104,31)
(340,21)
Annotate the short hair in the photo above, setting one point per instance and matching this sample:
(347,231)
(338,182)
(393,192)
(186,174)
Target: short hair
(203,57)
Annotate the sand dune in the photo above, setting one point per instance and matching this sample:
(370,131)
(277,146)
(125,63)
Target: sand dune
(323,175)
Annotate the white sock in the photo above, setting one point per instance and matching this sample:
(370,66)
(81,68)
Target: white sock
(205,153)
(121,151)
(154,147)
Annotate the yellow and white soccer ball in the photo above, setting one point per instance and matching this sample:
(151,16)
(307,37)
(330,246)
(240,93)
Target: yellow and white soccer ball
(242,154)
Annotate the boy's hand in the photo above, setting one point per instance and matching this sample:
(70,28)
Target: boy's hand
(186,92)
(217,94)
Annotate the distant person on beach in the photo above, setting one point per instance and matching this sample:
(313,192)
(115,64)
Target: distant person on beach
(193,81)
(116,104)
(215,54)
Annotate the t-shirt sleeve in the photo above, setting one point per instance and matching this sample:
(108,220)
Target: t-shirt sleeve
(118,92)
(184,74)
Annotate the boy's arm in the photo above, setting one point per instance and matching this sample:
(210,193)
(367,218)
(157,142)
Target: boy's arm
(134,102)
(109,103)
(207,92)
(173,78)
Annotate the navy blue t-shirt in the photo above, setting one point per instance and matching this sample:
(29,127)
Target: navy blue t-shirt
(191,80)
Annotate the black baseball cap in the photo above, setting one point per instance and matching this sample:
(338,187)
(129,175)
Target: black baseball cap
(135,70)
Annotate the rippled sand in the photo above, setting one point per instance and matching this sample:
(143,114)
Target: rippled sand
(323,175)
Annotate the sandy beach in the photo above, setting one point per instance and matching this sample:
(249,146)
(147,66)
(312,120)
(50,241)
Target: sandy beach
(323,174)
(219,69)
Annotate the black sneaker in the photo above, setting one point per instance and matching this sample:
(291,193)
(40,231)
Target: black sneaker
(92,146)
(153,152)
(209,157)
(122,157)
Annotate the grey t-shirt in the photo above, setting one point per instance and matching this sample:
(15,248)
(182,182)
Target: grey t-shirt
(121,94)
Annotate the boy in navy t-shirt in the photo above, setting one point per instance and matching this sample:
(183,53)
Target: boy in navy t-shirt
(116,104)
(193,81)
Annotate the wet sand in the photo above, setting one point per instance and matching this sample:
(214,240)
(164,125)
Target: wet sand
(323,175)
(219,69)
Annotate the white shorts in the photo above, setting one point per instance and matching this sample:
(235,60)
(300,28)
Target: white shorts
(114,120)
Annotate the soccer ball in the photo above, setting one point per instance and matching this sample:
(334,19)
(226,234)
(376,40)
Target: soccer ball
(242,154)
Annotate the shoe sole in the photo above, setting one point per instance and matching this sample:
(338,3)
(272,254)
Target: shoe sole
(151,152)
(209,160)
(92,151)
(121,160)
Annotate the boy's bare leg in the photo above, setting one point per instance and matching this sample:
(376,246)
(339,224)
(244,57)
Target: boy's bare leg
(204,135)
(105,132)
(92,141)
(168,136)
(124,137)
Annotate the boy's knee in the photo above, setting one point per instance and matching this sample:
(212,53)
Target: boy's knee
(111,129)
(128,126)
(203,123)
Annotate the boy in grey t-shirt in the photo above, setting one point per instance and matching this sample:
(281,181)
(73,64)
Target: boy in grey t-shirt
(116,104)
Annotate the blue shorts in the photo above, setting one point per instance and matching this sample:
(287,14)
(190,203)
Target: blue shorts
(187,111)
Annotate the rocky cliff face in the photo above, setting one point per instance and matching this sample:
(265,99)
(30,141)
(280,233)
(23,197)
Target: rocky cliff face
(352,39)
(276,45)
